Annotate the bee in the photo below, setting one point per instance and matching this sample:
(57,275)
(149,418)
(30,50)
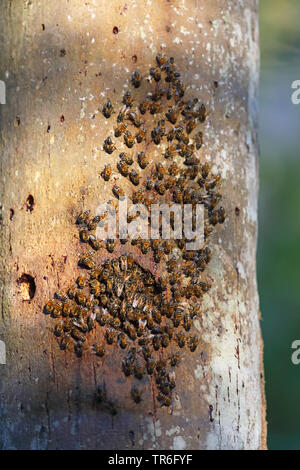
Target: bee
(150,365)
(158,256)
(139,369)
(167,246)
(107,109)
(192,172)
(134,178)
(158,93)
(110,245)
(94,242)
(135,119)
(193,343)
(69,309)
(128,139)
(59,329)
(121,116)
(72,292)
(207,254)
(57,309)
(110,335)
(131,332)
(172,75)
(84,235)
(136,79)
(154,107)
(77,335)
(126,158)
(165,340)
(156,137)
(123,168)
(118,192)
(127,99)
(221,215)
(155,72)
(195,312)
(95,221)
(81,281)
(191,160)
(190,126)
(80,298)
(122,340)
(145,246)
(65,341)
(137,196)
(108,145)
(144,106)
(120,129)
(160,188)
(181,243)
(174,278)
(177,318)
(173,169)
(161,60)
(98,349)
(202,113)
(136,395)
(102,317)
(142,160)
(165,400)
(170,91)
(78,348)
(187,322)
(177,196)
(91,321)
(205,170)
(180,89)
(156,341)
(172,115)
(175,359)
(199,140)
(140,136)
(181,339)
(83,218)
(49,307)
(127,366)
(60,295)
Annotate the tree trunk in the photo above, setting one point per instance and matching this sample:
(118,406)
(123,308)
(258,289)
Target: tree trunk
(61,61)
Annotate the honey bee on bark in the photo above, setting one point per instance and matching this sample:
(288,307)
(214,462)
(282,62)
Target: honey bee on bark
(144,315)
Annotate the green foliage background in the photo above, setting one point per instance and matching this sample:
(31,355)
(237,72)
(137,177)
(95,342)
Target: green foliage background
(279,215)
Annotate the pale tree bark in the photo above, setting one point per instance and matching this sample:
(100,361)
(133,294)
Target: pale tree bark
(64,58)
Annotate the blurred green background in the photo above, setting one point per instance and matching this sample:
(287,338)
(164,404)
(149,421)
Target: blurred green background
(279,215)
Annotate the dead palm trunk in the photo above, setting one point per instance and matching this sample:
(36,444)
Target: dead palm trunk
(60,62)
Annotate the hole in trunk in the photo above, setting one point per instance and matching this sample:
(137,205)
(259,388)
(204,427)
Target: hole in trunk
(27,286)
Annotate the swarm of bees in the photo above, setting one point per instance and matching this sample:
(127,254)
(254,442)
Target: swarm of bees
(148,318)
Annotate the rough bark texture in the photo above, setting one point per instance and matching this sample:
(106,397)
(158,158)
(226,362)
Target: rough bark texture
(46,395)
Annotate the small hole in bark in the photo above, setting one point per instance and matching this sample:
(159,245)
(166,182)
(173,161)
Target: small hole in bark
(11,214)
(62,52)
(30,203)
(131,435)
(115,30)
(17,120)
(134,59)
(237,211)
(27,286)
(216,84)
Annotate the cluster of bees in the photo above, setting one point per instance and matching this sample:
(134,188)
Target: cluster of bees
(148,316)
